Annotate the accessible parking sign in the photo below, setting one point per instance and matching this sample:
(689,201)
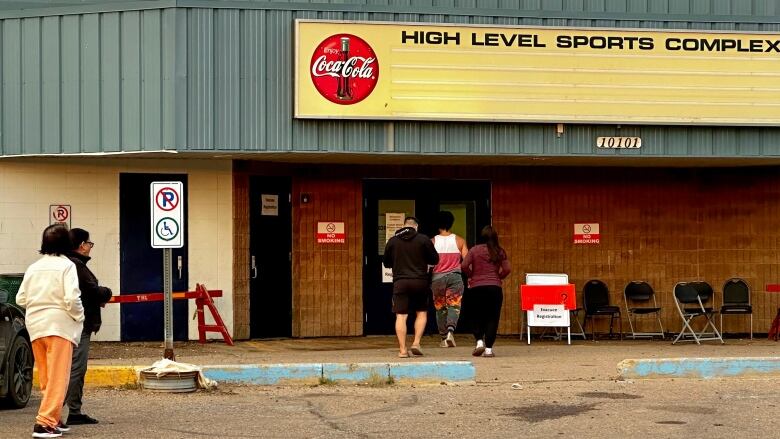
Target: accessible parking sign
(167,214)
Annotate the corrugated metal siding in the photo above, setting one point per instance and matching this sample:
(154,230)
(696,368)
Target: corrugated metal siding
(665,10)
(221,79)
(267,123)
(87,83)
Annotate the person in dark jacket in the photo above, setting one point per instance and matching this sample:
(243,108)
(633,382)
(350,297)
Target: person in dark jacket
(410,255)
(93,297)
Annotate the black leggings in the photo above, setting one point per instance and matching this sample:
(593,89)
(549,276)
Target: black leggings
(485,303)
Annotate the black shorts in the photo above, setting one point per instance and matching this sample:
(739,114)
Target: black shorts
(411,295)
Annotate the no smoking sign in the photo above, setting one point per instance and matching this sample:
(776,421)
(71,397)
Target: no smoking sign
(167,212)
(587,233)
(330,232)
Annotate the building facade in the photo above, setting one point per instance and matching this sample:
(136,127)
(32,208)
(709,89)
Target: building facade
(500,111)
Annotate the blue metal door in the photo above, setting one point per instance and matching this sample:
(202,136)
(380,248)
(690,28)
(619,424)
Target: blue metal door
(141,266)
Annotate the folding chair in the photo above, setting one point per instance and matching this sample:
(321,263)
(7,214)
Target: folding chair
(736,300)
(695,294)
(595,299)
(641,293)
(574,319)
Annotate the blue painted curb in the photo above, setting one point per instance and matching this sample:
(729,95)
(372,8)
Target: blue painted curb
(356,372)
(721,367)
(435,371)
(266,374)
(353,373)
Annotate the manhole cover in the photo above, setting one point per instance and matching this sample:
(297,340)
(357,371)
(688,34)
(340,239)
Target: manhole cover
(178,382)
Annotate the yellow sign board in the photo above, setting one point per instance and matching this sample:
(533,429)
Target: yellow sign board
(411,71)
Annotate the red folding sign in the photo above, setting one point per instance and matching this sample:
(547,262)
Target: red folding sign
(531,295)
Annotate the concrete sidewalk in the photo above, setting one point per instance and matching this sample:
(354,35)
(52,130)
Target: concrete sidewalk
(515,361)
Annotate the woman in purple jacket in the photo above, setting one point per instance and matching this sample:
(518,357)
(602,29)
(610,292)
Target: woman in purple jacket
(486,265)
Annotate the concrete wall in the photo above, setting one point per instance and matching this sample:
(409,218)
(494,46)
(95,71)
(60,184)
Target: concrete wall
(91,187)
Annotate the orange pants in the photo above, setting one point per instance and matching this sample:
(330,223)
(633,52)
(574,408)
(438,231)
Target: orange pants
(52,357)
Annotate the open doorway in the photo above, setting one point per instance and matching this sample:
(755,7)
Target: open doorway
(468,200)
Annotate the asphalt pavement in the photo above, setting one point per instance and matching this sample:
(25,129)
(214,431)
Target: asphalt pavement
(547,389)
(583,409)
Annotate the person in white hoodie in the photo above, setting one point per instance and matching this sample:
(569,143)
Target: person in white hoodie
(54,317)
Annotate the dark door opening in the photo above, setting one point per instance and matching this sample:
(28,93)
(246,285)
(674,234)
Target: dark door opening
(469,201)
(141,266)
(270,246)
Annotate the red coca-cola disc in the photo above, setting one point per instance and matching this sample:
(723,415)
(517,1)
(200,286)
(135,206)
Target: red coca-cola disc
(344,69)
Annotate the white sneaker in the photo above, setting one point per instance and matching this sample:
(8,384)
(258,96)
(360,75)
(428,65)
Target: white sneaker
(480,349)
(450,339)
(443,343)
(488,353)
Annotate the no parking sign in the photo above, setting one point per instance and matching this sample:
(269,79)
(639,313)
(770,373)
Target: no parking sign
(167,214)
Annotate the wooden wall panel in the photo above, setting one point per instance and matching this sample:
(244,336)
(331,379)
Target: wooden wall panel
(327,278)
(661,226)
(240,256)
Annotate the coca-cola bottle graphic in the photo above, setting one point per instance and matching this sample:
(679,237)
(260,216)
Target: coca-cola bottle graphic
(344,91)
(344,69)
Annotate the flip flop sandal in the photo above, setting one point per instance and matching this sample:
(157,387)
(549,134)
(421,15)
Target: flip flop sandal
(404,355)
(416,350)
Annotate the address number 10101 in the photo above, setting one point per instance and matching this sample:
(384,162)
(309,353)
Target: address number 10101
(618,142)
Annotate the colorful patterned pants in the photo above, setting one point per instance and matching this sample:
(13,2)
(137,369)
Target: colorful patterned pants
(447,294)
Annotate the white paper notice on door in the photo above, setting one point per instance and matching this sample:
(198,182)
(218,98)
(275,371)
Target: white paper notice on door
(269,205)
(393,222)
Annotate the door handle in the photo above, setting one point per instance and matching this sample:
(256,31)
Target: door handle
(179,265)
(254,268)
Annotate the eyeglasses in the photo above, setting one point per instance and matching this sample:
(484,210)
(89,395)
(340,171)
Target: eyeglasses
(89,243)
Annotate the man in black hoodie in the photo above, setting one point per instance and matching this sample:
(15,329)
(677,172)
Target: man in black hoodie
(93,297)
(410,255)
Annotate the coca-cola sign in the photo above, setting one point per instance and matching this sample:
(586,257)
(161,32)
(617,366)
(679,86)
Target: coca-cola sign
(344,69)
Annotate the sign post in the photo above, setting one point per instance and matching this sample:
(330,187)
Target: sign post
(167,224)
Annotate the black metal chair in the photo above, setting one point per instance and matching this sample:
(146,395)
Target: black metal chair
(695,295)
(595,300)
(637,296)
(736,300)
